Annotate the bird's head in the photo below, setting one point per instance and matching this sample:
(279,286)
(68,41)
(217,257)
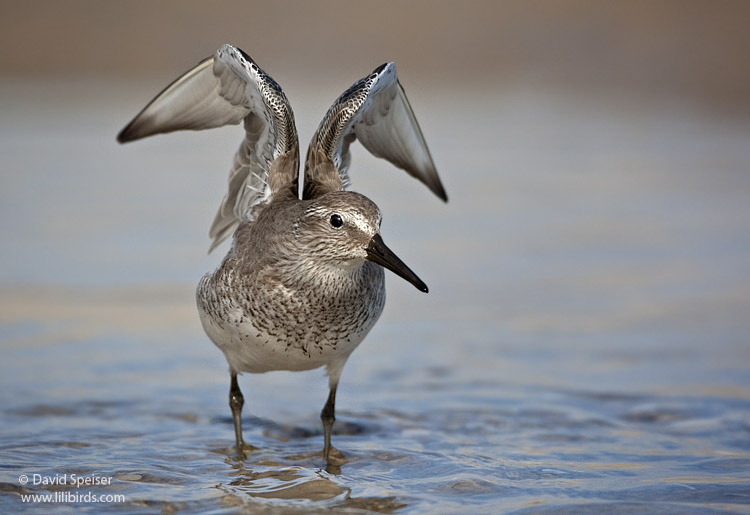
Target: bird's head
(342,229)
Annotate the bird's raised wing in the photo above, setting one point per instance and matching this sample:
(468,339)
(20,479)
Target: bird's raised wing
(221,90)
(375,111)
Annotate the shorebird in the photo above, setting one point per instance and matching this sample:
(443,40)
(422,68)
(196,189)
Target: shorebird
(303,282)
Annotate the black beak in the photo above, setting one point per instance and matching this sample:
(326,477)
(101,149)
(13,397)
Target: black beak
(377,252)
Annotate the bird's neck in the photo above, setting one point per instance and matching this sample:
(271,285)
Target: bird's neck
(327,276)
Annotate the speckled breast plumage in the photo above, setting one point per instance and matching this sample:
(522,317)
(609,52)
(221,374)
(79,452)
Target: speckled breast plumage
(288,317)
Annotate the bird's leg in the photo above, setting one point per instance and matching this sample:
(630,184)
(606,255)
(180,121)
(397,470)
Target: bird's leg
(236,401)
(328,417)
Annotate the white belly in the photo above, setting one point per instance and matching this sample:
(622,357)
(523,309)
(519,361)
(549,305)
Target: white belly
(298,346)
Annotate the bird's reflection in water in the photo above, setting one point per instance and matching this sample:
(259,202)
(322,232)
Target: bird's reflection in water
(262,477)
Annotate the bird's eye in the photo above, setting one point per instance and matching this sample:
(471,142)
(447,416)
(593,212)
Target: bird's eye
(336,220)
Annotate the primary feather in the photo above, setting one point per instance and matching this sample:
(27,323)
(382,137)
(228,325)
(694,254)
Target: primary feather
(375,111)
(222,90)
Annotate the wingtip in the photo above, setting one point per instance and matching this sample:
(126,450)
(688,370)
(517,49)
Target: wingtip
(124,136)
(440,192)
(435,185)
(130,132)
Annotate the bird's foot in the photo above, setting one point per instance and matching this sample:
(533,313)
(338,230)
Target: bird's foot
(334,460)
(240,451)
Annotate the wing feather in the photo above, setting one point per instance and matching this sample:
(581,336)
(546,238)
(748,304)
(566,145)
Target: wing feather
(376,111)
(227,89)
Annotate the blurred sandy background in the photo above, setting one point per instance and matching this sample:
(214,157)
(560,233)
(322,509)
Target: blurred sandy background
(686,50)
(578,113)
(578,118)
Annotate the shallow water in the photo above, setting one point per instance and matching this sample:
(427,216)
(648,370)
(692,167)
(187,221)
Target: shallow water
(584,346)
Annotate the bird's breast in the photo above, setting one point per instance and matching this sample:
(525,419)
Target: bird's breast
(269,322)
